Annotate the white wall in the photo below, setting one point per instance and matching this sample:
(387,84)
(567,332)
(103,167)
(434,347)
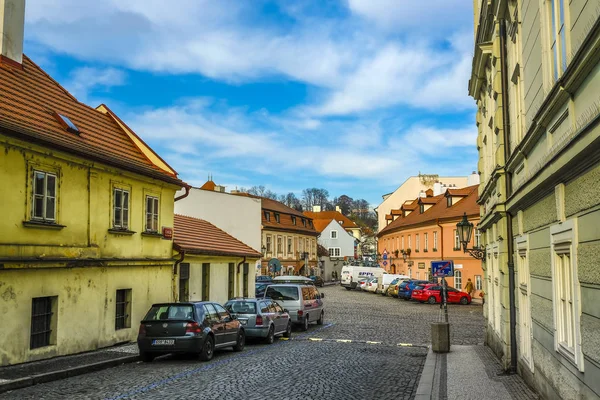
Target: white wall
(239,216)
(345,241)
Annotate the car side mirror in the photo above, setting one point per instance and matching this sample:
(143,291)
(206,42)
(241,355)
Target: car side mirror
(285,310)
(322,295)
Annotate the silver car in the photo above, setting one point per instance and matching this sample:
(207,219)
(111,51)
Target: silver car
(304,302)
(262,318)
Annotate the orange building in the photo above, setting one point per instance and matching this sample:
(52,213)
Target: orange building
(425,230)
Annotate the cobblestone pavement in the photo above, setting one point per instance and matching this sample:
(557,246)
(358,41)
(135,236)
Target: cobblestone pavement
(336,360)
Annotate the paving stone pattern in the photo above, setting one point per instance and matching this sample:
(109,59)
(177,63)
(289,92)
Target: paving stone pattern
(300,368)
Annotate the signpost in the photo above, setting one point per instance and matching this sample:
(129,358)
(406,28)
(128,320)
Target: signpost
(441,331)
(441,269)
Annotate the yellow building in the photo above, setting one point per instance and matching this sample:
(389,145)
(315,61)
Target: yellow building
(85,243)
(213,265)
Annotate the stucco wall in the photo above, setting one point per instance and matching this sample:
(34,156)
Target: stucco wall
(239,216)
(86,306)
(344,241)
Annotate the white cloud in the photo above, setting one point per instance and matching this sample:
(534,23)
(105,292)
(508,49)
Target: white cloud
(83,80)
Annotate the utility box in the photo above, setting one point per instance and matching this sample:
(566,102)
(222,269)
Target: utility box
(440,337)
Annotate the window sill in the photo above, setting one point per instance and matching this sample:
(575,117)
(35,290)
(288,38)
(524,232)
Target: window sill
(152,234)
(120,231)
(425,251)
(434,250)
(416,251)
(455,249)
(43,225)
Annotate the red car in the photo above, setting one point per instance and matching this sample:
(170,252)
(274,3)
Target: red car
(431,293)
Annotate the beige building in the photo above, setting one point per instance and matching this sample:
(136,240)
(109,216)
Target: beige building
(536,82)
(410,189)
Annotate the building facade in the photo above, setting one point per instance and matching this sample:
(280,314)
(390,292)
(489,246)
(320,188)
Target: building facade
(339,243)
(86,246)
(213,265)
(426,231)
(536,79)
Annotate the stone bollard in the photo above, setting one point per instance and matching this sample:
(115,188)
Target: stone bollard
(440,337)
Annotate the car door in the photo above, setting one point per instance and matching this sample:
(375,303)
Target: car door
(281,319)
(217,327)
(453,295)
(231,325)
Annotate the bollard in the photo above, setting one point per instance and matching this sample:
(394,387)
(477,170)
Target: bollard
(440,337)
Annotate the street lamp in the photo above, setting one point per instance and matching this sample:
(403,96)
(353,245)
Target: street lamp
(465,229)
(264,250)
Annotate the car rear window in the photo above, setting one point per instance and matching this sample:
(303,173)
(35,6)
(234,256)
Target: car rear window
(418,287)
(394,281)
(166,312)
(282,292)
(241,307)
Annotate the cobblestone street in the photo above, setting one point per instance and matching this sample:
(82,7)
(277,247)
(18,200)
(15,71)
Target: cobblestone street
(327,362)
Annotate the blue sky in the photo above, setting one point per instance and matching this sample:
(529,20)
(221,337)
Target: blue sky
(349,95)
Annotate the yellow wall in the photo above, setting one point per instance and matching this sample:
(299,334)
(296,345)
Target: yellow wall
(86,306)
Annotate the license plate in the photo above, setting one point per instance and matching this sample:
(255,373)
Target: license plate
(163,342)
(243,322)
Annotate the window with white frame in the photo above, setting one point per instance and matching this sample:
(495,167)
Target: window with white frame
(290,250)
(417,242)
(120,208)
(456,240)
(565,282)
(151,214)
(333,234)
(44,196)
(268,243)
(435,243)
(409,246)
(477,237)
(402,242)
(478,282)
(335,252)
(458,280)
(279,245)
(557,36)
(426,242)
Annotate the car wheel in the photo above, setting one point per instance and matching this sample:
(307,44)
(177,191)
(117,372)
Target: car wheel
(208,349)
(464,301)
(320,320)
(270,336)
(305,323)
(147,357)
(406,298)
(348,288)
(431,300)
(288,331)
(241,341)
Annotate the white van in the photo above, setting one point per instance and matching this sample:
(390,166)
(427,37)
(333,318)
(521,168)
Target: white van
(385,280)
(352,273)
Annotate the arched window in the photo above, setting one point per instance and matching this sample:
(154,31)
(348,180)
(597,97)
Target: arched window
(458,280)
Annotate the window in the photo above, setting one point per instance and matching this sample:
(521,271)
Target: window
(44,196)
(151,214)
(184,282)
(290,250)
(120,208)
(477,237)
(448,201)
(333,234)
(456,240)
(268,243)
(43,322)
(67,123)
(558,40)
(426,245)
(293,220)
(478,282)
(123,309)
(303,222)
(417,242)
(277,217)
(205,281)
(409,246)
(402,242)
(422,208)
(435,243)
(335,252)
(418,275)
(279,245)
(267,216)
(458,280)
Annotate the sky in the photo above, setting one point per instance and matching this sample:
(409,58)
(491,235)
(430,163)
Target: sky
(353,96)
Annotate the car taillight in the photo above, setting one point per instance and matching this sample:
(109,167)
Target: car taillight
(259,320)
(396,287)
(300,313)
(142,330)
(192,327)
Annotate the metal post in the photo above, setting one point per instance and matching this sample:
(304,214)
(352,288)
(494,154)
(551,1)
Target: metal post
(444,298)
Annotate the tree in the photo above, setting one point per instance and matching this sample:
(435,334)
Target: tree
(345,203)
(315,197)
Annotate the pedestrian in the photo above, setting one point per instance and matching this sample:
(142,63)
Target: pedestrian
(482,295)
(469,287)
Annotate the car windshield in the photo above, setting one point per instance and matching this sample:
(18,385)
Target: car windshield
(394,281)
(282,292)
(241,307)
(166,312)
(418,287)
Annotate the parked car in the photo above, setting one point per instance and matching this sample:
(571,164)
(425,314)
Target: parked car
(292,279)
(362,282)
(317,280)
(303,302)
(371,285)
(263,278)
(392,289)
(192,327)
(385,280)
(259,288)
(405,288)
(432,294)
(262,318)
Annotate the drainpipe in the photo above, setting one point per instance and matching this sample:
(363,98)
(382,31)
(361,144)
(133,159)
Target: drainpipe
(177,262)
(437,221)
(508,190)
(186,194)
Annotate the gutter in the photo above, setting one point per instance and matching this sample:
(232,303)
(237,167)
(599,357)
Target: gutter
(508,190)
(441,237)
(186,194)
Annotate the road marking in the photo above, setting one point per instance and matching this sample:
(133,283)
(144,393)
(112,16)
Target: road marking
(343,340)
(284,338)
(315,339)
(405,344)
(369,342)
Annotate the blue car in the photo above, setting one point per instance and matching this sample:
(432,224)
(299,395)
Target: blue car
(406,287)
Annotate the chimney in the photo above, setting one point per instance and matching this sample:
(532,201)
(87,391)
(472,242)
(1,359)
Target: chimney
(473,179)
(422,194)
(12,27)
(338,209)
(316,208)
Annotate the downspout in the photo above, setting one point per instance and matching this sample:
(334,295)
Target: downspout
(186,194)
(177,262)
(437,221)
(508,190)
(238,271)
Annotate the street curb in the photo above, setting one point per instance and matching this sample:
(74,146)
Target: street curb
(425,388)
(21,383)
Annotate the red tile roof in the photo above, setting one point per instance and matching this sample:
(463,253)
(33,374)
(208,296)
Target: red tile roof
(439,210)
(197,236)
(209,185)
(346,222)
(29,100)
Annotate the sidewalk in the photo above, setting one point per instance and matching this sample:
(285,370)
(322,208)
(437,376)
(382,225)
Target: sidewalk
(469,373)
(29,374)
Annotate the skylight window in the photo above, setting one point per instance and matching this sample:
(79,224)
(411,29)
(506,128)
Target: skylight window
(67,123)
